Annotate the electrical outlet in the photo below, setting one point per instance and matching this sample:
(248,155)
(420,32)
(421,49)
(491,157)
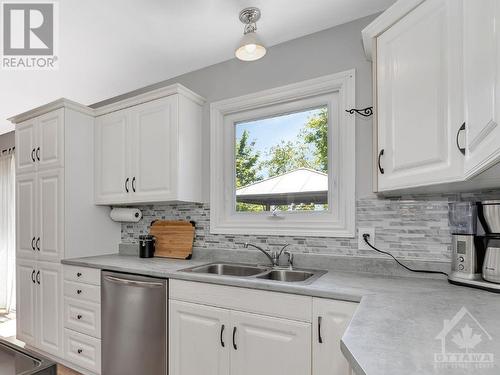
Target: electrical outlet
(361,242)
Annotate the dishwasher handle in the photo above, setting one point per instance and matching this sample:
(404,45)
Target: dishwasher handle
(133,282)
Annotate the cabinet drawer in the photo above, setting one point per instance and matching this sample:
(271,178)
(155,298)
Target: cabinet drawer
(83,317)
(82,292)
(82,350)
(83,275)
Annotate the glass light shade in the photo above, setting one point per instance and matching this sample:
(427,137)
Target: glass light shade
(250,48)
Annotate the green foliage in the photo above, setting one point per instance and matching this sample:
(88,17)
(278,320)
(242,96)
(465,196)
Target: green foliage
(248,165)
(285,157)
(315,134)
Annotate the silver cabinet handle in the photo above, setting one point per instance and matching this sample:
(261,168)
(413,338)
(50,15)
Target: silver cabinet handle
(132,282)
(461,149)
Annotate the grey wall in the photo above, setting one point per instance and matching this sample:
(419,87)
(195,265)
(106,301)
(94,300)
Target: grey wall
(7,141)
(326,52)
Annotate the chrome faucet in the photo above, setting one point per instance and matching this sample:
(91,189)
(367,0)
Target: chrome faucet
(273,256)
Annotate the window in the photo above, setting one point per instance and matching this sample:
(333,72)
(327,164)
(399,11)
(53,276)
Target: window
(282,160)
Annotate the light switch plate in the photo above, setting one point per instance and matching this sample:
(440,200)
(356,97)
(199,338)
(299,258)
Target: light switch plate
(361,242)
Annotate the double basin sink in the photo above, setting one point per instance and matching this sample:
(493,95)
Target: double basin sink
(258,272)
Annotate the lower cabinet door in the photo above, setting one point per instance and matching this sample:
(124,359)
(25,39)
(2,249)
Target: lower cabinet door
(26,300)
(49,308)
(330,320)
(269,346)
(199,339)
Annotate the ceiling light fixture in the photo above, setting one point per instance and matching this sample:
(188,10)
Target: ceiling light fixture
(250,47)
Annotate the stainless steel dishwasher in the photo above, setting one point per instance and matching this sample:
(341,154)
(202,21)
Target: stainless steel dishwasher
(134,317)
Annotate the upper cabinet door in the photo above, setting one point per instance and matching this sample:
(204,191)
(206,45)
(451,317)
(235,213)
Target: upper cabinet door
(25,147)
(50,200)
(202,331)
(26,231)
(418,95)
(482,84)
(155,145)
(49,151)
(266,345)
(112,183)
(330,320)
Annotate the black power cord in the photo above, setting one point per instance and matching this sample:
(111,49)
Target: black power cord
(366,236)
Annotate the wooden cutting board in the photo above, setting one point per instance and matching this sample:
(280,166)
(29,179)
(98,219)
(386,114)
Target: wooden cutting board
(174,239)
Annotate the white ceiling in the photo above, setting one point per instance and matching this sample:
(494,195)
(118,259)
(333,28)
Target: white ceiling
(110,47)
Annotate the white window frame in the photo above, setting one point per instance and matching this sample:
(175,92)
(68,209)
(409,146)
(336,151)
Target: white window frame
(337,91)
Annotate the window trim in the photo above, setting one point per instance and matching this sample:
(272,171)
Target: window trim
(340,88)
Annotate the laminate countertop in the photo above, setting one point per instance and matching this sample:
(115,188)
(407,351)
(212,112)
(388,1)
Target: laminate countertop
(403,325)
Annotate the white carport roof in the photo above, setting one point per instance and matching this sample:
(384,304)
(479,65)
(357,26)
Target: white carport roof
(301,185)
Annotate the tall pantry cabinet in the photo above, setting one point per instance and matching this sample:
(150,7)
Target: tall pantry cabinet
(55,214)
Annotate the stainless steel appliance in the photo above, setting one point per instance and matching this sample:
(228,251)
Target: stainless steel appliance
(134,324)
(475,257)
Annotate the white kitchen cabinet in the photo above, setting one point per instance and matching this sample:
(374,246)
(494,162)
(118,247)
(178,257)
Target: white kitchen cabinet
(39,305)
(111,150)
(26,301)
(241,331)
(55,212)
(49,307)
(418,96)
(436,70)
(26,215)
(50,134)
(26,146)
(269,345)
(330,320)
(50,223)
(481,47)
(148,148)
(200,339)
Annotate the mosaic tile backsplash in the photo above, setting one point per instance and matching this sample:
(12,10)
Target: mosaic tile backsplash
(411,227)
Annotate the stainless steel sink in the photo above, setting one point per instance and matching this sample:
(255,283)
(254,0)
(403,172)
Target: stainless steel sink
(286,275)
(257,272)
(228,269)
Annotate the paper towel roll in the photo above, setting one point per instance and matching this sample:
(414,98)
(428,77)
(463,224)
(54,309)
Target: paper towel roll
(132,215)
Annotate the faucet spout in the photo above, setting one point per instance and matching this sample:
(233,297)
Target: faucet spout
(266,253)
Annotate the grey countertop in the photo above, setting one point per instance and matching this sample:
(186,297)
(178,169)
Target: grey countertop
(395,330)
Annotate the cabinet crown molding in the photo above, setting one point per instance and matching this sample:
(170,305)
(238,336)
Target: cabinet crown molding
(149,96)
(388,18)
(52,106)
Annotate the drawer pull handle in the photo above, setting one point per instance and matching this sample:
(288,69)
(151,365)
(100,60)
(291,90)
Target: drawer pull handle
(79,317)
(80,351)
(126,184)
(37,244)
(33,243)
(78,274)
(133,184)
(33,277)
(33,155)
(38,277)
(79,291)
(38,153)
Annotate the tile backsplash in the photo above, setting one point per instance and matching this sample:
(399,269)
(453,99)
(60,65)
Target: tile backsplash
(410,227)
